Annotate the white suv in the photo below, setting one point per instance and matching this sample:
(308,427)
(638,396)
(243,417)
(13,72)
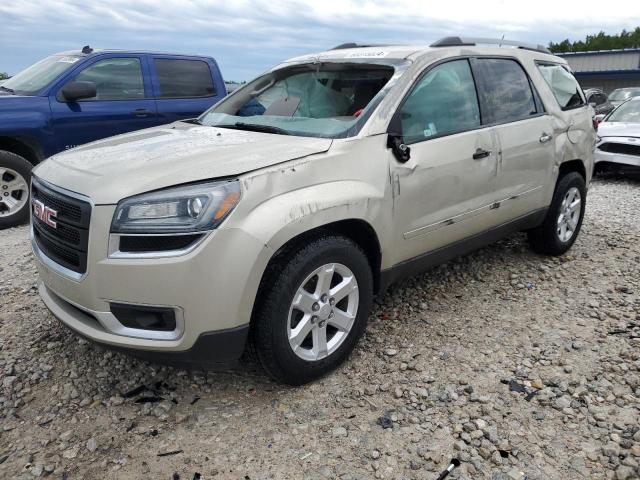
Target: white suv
(273,219)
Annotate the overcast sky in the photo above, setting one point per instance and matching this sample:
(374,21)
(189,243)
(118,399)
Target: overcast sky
(248,36)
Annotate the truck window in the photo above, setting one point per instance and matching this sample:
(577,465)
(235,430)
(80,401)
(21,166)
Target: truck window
(563,84)
(115,79)
(184,78)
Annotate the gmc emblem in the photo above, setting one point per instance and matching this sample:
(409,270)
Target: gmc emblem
(45,214)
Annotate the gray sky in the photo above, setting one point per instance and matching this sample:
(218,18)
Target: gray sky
(248,36)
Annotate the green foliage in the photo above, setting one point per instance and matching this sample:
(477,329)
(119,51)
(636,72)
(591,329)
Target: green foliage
(601,41)
(3,75)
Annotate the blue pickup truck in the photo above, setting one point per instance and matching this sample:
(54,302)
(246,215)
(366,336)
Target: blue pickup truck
(72,98)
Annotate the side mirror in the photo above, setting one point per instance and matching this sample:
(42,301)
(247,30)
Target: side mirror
(592,104)
(74,91)
(401,151)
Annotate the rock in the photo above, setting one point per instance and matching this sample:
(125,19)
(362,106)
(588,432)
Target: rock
(70,452)
(625,473)
(611,449)
(92,444)
(7,382)
(562,402)
(37,469)
(339,432)
(391,352)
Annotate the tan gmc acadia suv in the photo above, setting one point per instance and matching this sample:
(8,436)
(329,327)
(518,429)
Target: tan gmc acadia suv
(272,220)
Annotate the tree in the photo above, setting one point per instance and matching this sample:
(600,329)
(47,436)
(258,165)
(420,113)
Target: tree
(600,41)
(4,76)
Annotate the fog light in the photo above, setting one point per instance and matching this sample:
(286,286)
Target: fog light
(158,319)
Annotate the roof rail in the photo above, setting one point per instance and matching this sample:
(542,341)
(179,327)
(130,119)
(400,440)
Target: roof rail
(471,41)
(342,46)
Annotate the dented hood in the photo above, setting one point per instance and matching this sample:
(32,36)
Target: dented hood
(118,167)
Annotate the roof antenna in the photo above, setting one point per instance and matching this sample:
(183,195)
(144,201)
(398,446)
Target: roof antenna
(87,50)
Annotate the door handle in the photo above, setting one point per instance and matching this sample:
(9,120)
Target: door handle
(141,112)
(481,153)
(545,138)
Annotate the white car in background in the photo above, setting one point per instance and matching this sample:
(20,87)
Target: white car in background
(619,136)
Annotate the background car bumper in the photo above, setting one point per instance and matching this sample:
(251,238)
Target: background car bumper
(622,159)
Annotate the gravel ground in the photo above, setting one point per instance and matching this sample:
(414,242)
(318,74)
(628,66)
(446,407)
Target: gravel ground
(504,359)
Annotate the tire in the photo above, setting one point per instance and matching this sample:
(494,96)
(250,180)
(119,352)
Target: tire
(549,238)
(14,171)
(276,319)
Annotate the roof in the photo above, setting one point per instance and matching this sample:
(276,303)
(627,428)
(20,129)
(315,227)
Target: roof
(398,52)
(627,60)
(140,52)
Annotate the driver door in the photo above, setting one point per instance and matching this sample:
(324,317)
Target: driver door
(445,191)
(123,103)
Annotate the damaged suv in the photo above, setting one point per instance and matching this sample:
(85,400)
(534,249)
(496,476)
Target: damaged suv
(271,221)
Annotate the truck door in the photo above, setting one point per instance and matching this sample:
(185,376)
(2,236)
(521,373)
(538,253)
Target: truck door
(123,102)
(184,87)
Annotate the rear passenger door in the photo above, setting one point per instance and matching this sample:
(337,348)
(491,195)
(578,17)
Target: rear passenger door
(510,103)
(184,87)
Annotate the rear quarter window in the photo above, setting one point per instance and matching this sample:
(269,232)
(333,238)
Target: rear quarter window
(184,78)
(563,84)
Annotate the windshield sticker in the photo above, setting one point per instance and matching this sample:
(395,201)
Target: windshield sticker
(377,54)
(68,59)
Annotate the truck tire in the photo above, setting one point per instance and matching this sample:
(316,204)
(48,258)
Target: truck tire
(562,224)
(15,178)
(313,307)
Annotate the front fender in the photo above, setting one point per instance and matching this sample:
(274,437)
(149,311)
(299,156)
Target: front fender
(286,216)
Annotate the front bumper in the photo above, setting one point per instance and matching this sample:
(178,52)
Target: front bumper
(212,290)
(619,158)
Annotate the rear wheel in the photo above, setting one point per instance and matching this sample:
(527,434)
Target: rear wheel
(15,175)
(315,300)
(564,218)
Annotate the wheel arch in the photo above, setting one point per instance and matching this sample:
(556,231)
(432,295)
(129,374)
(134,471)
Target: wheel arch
(358,230)
(575,165)
(21,148)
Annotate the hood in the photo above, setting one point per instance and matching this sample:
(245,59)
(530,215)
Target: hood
(118,167)
(619,129)
(11,101)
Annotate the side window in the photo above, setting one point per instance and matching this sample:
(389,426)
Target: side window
(563,85)
(599,98)
(184,78)
(443,102)
(505,91)
(115,79)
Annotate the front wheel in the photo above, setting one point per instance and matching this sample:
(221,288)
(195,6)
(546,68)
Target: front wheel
(564,218)
(315,300)
(15,175)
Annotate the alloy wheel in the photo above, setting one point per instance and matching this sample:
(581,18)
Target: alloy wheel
(569,215)
(323,312)
(14,192)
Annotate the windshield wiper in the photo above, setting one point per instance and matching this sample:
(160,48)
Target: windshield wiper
(7,89)
(255,127)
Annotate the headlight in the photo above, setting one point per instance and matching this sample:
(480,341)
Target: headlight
(191,208)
